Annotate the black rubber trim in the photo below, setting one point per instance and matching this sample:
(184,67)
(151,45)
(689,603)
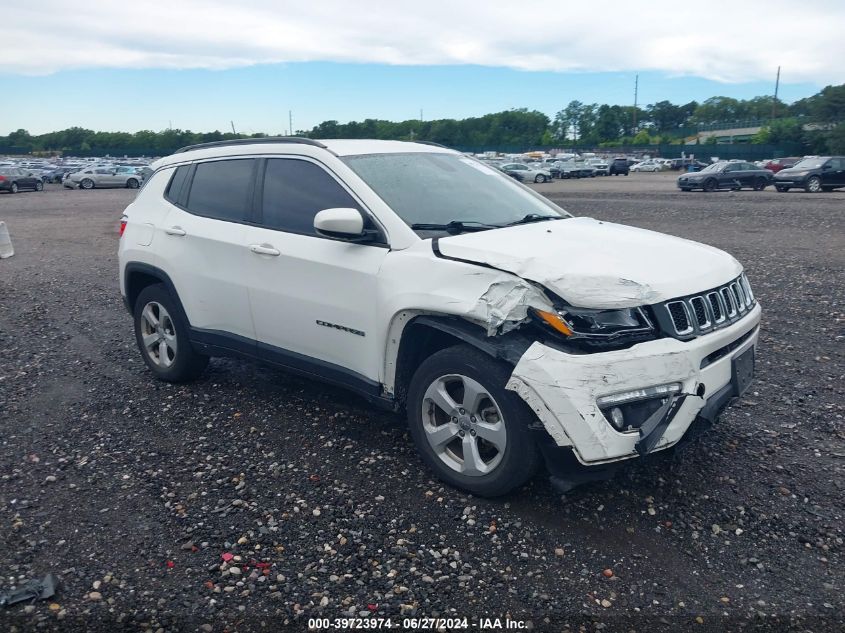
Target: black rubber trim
(152,271)
(507,347)
(219,343)
(652,429)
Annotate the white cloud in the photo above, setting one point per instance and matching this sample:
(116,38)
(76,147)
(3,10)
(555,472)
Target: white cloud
(726,41)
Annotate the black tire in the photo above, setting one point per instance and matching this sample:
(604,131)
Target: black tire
(39,186)
(813,184)
(521,457)
(539,178)
(187,363)
(13,188)
(760,184)
(685,189)
(710,184)
(86,183)
(132,183)
(781,188)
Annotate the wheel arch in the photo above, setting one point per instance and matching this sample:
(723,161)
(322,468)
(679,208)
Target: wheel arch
(138,275)
(414,336)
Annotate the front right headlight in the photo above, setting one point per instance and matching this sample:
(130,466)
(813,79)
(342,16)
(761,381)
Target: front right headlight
(598,324)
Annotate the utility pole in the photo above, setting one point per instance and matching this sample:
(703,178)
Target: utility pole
(290,121)
(636,88)
(421,117)
(233,127)
(775,100)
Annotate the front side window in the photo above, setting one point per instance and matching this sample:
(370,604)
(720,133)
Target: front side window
(434,187)
(221,189)
(295,191)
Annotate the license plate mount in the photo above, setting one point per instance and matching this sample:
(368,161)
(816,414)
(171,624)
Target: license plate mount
(742,373)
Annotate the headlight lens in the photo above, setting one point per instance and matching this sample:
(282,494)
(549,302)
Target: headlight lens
(596,324)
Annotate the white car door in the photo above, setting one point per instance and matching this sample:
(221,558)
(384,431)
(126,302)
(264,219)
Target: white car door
(314,300)
(201,239)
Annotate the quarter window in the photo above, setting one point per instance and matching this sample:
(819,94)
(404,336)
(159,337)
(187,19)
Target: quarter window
(295,191)
(221,189)
(174,188)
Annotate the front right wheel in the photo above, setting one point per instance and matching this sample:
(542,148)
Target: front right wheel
(470,430)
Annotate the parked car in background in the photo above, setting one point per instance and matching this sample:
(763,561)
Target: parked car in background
(776,164)
(619,166)
(527,173)
(15,179)
(820,173)
(574,169)
(684,164)
(102,177)
(646,165)
(599,165)
(732,175)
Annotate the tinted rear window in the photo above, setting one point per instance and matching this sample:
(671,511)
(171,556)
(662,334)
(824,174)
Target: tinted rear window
(222,189)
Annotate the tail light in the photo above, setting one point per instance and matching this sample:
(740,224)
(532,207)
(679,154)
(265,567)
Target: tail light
(2,178)
(122,226)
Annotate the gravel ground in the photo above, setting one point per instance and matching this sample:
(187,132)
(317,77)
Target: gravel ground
(254,500)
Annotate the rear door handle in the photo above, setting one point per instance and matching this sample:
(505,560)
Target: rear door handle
(175,230)
(264,249)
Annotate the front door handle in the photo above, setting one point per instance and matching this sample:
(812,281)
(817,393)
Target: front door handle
(264,249)
(175,230)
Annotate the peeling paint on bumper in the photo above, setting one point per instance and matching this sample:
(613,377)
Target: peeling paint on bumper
(562,388)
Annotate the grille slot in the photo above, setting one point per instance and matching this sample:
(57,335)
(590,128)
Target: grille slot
(700,312)
(680,317)
(730,302)
(716,307)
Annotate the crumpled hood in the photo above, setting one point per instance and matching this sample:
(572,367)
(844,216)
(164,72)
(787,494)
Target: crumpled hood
(595,264)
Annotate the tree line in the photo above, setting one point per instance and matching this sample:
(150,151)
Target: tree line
(817,123)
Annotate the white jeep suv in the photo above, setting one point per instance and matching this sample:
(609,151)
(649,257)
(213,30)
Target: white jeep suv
(511,333)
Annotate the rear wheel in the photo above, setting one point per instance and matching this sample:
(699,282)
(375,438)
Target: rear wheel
(14,187)
(814,184)
(710,184)
(760,184)
(162,336)
(470,430)
(781,188)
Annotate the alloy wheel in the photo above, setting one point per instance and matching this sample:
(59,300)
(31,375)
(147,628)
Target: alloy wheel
(159,334)
(464,425)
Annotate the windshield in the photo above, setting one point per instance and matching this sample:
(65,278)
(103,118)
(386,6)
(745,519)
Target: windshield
(438,188)
(809,163)
(714,167)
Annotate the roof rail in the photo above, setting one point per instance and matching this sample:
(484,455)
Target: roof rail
(252,141)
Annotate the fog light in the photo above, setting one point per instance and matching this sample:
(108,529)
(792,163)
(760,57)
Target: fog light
(628,410)
(617,418)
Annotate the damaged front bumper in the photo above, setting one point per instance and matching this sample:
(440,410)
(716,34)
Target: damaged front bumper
(564,389)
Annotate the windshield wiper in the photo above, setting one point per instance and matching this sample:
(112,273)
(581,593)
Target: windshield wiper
(534,217)
(455,226)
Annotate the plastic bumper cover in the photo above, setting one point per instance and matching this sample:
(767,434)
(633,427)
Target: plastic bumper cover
(562,389)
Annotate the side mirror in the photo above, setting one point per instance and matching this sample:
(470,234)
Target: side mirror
(826,167)
(343,223)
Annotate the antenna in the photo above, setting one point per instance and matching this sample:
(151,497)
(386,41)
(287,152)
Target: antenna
(775,100)
(636,88)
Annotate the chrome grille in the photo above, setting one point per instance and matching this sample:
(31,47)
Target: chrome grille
(686,317)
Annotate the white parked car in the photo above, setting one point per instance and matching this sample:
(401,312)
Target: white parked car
(511,333)
(646,165)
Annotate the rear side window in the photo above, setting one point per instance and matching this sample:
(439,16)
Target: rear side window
(177,181)
(222,189)
(295,191)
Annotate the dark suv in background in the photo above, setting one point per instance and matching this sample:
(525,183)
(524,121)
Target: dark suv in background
(618,166)
(820,173)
